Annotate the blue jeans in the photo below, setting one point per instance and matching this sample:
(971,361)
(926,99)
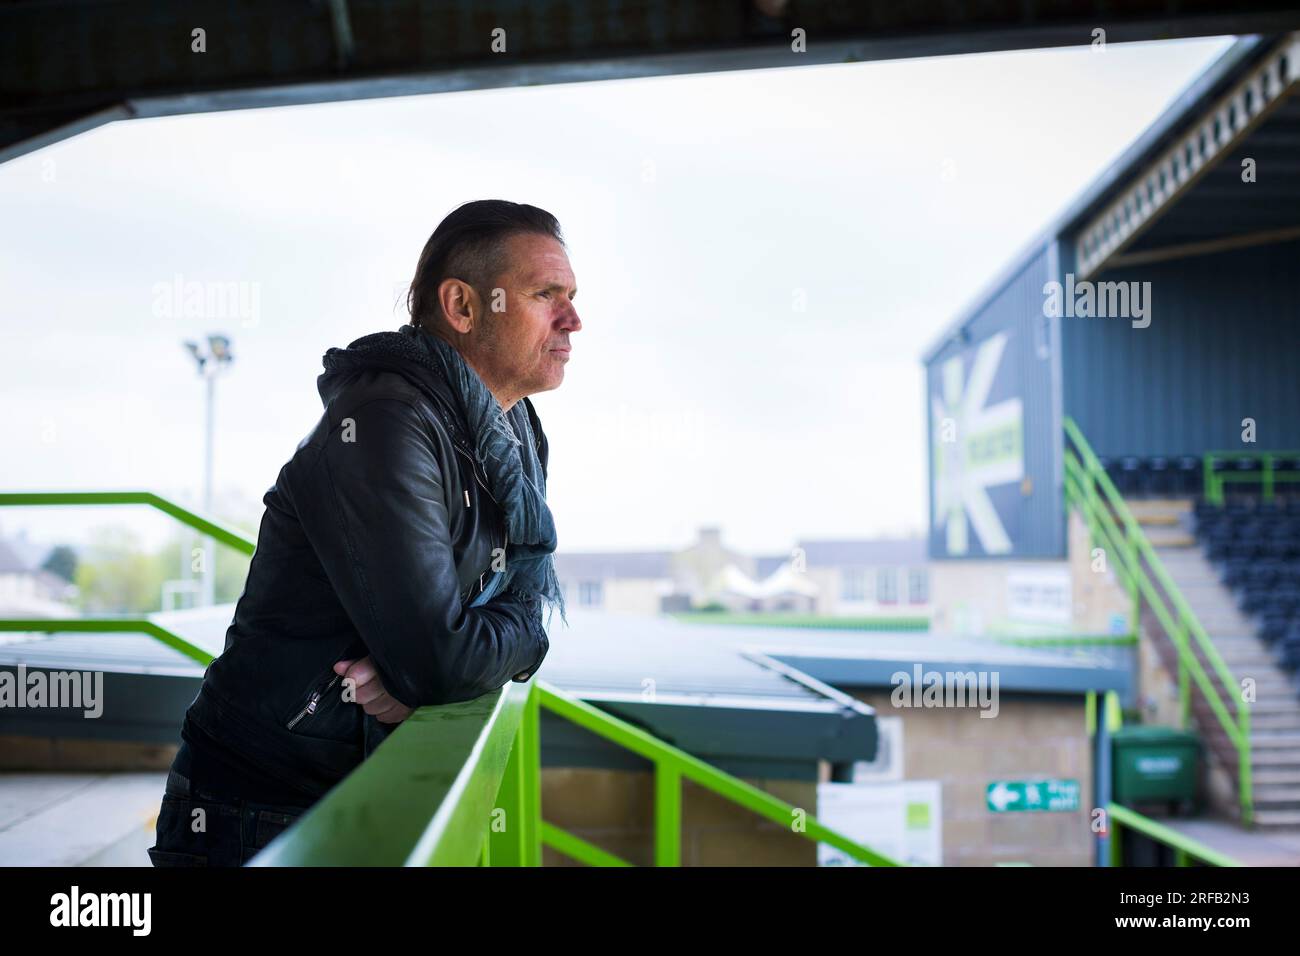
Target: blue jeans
(196,828)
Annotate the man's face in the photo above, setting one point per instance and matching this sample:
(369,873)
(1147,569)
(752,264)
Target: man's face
(523,349)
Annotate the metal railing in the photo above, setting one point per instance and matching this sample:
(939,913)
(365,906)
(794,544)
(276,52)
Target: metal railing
(121,625)
(1266,475)
(457,784)
(106,625)
(1112,526)
(1185,848)
(213,529)
(460,785)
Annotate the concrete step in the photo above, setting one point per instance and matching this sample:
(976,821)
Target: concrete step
(1267,681)
(1277,818)
(1252,665)
(1261,708)
(1147,508)
(1264,778)
(1274,794)
(1275,760)
(1289,723)
(1159,520)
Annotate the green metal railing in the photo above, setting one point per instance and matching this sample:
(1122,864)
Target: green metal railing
(1065,640)
(461,784)
(213,529)
(121,625)
(457,784)
(106,625)
(1138,567)
(1185,848)
(1267,475)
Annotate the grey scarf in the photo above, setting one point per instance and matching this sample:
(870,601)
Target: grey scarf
(506,448)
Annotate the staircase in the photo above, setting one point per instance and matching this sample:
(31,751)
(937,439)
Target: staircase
(1275,713)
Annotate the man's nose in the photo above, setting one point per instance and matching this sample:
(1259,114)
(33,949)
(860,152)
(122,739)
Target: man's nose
(570,321)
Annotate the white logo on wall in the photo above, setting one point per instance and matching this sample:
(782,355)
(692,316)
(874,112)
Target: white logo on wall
(986,449)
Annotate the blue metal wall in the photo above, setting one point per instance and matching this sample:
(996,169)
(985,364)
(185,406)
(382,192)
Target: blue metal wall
(1223,345)
(1030,510)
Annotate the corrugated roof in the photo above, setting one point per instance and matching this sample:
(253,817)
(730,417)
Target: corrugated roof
(1198,94)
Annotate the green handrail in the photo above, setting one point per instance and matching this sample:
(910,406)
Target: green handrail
(1131,552)
(1065,640)
(106,625)
(462,760)
(1267,474)
(461,785)
(433,794)
(213,529)
(1185,848)
(672,765)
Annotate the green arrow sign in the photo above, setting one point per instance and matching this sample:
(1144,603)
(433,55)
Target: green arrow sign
(1009,796)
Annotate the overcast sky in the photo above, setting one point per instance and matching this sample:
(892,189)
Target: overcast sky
(762,257)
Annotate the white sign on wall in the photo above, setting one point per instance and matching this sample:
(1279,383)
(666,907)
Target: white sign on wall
(1039,595)
(902,820)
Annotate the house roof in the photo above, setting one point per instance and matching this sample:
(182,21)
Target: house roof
(11,562)
(869,553)
(614,564)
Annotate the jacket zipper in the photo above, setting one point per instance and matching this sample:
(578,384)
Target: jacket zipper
(313,702)
(473,467)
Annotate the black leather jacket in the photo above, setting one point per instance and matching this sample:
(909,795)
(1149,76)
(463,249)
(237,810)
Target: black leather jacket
(377,534)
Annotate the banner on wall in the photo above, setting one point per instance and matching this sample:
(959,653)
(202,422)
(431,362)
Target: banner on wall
(901,820)
(978,453)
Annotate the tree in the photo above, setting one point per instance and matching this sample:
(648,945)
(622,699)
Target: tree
(63,562)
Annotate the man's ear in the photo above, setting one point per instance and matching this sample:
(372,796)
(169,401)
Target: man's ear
(459,304)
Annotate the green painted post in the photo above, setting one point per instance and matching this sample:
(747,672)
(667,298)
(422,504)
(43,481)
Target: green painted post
(1134,593)
(1116,853)
(1090,712)
(531,759)
(668,814)
(509,845)
(1243,763)
(1184,675)
(1114,715)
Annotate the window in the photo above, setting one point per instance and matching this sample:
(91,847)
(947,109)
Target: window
(918,586)
(853,585)
(590,594)
(887,586)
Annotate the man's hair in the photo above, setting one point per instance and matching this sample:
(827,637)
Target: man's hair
(470,245)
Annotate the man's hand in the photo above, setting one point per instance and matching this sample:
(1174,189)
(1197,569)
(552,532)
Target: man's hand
(370,693)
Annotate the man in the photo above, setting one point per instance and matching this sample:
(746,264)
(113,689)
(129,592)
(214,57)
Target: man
(406,549)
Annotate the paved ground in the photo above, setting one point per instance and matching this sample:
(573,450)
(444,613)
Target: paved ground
(1253,848)
(78,819)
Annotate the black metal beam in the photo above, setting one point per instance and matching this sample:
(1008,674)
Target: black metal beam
(67,65)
